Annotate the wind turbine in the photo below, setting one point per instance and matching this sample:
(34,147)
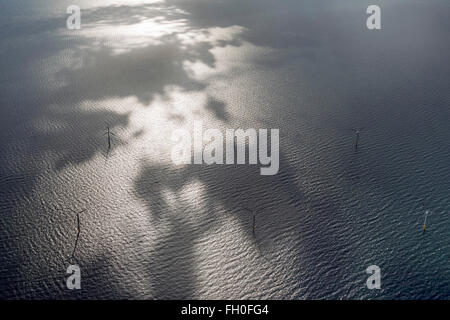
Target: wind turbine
(78,230)
(425,220)
(78,233)
(254,219)
(261,252)
(357,131)
(109,134)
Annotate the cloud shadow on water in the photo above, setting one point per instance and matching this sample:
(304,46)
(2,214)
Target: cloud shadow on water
(104,69)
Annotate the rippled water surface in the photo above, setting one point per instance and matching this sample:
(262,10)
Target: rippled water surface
(152,229)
